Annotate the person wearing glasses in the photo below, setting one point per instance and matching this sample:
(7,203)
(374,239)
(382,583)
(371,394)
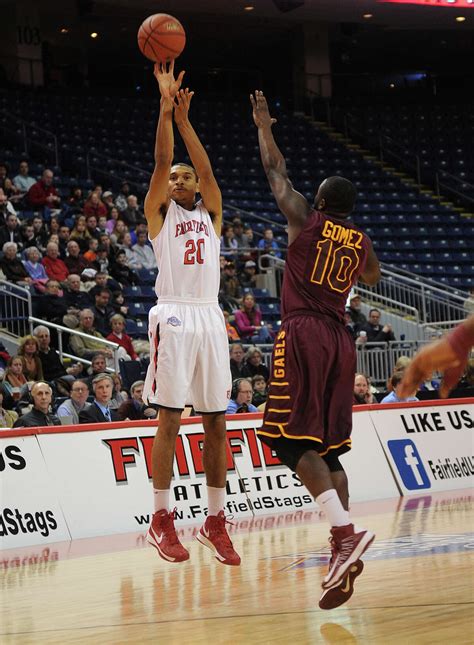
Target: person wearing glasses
(69,410)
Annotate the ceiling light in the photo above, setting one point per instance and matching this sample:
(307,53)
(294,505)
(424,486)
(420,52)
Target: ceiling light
(64,30)
(249,8)
(94,34)
(367,15)
(460,19)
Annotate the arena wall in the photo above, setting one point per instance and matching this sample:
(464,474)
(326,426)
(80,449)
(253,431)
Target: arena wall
(70,482)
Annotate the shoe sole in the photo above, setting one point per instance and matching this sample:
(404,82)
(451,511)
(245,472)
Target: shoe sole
(356,555)
(205,542)
(341,592)
(152,541)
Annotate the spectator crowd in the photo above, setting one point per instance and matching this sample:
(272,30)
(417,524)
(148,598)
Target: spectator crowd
(79,255)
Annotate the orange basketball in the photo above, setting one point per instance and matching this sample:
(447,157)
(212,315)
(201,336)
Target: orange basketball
(161,37)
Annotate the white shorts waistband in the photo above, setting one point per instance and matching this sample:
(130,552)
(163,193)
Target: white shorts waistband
(188,301)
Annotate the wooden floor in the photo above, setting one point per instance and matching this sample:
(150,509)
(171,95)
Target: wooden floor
(417,586)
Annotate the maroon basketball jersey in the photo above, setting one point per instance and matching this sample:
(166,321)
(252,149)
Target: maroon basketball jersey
(322,265)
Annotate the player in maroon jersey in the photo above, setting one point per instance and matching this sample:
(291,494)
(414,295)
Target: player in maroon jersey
(308,417)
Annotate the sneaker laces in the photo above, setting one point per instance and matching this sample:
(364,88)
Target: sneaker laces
(345,549)
(219,526)
(169,528)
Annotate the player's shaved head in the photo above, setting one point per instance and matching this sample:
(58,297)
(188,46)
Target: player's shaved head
(336,195)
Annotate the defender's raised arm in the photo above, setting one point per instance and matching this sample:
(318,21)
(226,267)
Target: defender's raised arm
(292,204)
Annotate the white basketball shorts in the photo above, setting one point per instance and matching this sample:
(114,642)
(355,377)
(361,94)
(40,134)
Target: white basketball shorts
(189,357)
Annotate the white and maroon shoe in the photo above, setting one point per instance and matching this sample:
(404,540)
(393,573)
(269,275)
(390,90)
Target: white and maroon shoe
(162,535)
(347,547)
(213,534)
(341,592)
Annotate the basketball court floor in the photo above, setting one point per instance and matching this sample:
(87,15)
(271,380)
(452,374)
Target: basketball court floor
(417,586)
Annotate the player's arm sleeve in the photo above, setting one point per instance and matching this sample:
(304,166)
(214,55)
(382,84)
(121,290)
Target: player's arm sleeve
(291,203)
(156,200)
(371,273)
(208,186)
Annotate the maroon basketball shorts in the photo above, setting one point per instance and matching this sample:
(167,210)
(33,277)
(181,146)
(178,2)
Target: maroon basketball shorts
(311,386)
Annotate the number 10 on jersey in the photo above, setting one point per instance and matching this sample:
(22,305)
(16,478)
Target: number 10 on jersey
(194,253)
(335,265)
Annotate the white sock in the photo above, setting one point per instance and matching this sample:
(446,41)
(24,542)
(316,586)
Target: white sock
(330,503)
(215,500)
(162,499)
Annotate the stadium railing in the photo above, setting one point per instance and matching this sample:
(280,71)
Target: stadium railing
(60,330)
(15,308)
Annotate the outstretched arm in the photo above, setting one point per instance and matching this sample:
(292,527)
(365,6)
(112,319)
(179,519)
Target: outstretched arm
(448,355)
(208,187)
(157,200)
(291,203)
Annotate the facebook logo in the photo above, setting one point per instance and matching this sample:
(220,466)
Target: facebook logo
(409,464)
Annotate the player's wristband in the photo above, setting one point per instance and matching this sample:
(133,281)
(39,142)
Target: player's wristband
(461,340)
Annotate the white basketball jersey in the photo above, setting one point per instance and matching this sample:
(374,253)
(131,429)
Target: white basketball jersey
(187,253)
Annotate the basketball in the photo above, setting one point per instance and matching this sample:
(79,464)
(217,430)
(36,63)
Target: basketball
(161,37)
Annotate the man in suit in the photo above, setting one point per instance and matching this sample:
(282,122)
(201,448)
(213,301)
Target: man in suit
(99,410)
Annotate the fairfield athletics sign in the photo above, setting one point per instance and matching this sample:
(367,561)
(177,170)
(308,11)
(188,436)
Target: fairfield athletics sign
(112,467)
(464,4)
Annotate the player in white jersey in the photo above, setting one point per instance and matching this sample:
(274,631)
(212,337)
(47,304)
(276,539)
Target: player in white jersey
(189,356)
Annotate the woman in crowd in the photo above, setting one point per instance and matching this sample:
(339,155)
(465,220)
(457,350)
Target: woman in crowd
(12,267)
(254,364)
(119,395)
(248,320)
(54,226)
(80,234)
(119,304)
(362,393)
(112,220)
(119,336)
(120,228)
(32,264)
(14,379)
(28,351)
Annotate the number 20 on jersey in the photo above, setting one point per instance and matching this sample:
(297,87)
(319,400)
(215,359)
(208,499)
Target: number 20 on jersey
(194,253)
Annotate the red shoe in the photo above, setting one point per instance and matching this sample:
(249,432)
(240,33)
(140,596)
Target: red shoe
(343,590)
(213,534)
(162,535)
(347,547)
